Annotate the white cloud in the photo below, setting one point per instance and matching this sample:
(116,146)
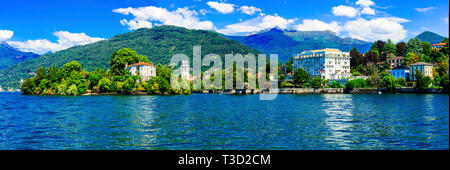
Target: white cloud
(397,19)
(343,10)
(133,25)
(425,9)
(256,24)
(365,3)
(182,17)
(316,25)
(375,29)
(222,7)
(204,11)
(5,35)
(249,10)
(368,11)
(65,40)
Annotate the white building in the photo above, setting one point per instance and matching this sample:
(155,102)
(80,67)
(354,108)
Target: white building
(328,63)
(145,70)
(185,71)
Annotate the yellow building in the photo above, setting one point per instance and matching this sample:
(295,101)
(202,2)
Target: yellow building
(425,68)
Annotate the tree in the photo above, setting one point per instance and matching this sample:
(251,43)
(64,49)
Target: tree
(373,81)
(72,90)
(40,74)
(129,85)
(445,49)
(401,81)
(27,87)
(357,83)
(356,57)
(94,77)
(436,55)
(378,46)
(317,82)
(335,85)
(389,82)
(411,58)
(71,66)
(104,85)
(442,69)
(401,48)
(301,77)
(121,57)
(389,49)
(426,46)
(414,45)
(422,82)
(52,73)
(372,56)
(444,82)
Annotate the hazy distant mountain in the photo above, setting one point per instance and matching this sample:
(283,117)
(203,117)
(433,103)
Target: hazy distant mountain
(159,44)
(287,43)
(430,37)
(10,55)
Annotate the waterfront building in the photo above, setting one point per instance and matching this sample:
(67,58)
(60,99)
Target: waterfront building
(425,68)
(1,89)
(144,70)
(438,45)
(398,72)
(328,63)
(395,61)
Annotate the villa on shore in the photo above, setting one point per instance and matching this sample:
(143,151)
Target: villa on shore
(328,63)
(144,70)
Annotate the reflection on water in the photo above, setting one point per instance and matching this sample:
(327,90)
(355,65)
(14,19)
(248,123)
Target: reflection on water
(328,121)
(339,111)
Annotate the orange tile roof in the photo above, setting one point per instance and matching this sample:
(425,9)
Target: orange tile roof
(141,64)
(439,44)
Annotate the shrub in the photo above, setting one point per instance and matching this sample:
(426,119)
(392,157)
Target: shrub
(389,82)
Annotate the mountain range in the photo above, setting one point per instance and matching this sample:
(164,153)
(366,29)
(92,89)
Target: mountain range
(287,43)
(10,56)
(430,37)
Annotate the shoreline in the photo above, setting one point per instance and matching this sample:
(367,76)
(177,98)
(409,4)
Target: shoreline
(277,91)
(324,91)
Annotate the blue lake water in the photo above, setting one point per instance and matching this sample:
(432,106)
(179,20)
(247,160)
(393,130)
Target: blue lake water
(211,121)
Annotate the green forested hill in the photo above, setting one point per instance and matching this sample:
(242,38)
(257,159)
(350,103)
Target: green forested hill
(159,44)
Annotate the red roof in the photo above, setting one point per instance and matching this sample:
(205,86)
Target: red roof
(141,64)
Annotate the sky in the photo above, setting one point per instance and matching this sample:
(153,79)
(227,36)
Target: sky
(41,26)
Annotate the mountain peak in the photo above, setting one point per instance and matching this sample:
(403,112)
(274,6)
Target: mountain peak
(430,37)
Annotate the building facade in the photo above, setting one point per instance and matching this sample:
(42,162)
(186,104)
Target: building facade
(425,68)
(398,72)
(144,70)
(396,61)
(331,64)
